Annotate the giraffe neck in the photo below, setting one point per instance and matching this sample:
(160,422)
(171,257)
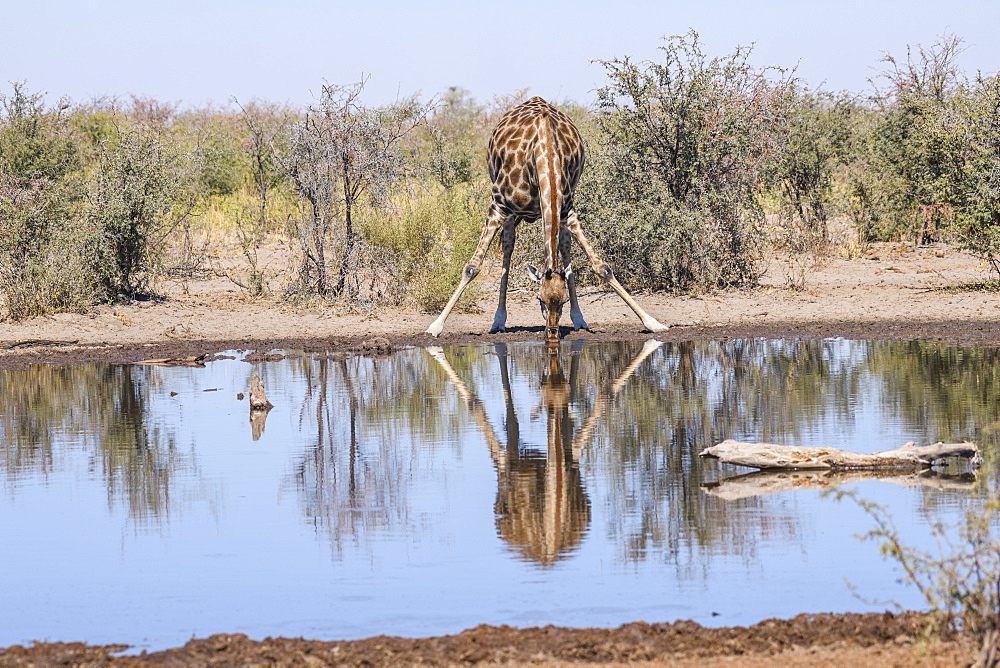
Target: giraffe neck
(548,163)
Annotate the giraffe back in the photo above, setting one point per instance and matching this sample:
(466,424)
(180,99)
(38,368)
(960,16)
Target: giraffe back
(531,141)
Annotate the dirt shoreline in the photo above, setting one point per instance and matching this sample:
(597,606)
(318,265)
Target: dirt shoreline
(816,640)
(17,353)
(893,292)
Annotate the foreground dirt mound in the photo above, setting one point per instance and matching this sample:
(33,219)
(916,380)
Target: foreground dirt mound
(881,639)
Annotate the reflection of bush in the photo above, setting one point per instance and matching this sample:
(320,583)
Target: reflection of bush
(102,408)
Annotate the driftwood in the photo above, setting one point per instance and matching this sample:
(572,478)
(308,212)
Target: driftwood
(770,456)
(761,483)
(194,361)
(258,398)
(259,406)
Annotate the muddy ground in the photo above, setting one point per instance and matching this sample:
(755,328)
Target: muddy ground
(892,291)
(807,640)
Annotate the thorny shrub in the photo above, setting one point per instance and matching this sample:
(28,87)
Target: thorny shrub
(683,152)
(962,583)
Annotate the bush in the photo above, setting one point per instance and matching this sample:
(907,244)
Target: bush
(140,180)
(451,145)
(432,240)
(909,164)
(41,266)
(220,159)
(678,166)
(962,583)
(341,156)
(35,142)
(815,148)
(978,215)
(86,199)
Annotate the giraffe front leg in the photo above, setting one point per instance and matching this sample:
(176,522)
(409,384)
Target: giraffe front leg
(604,270)
(507,239)
(575,314)
(436,327)
(494,219)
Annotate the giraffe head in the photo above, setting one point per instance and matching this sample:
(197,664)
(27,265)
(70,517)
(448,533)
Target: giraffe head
(553,294)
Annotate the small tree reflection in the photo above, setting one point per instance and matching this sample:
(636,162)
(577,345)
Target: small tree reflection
(100,408)
(353,482)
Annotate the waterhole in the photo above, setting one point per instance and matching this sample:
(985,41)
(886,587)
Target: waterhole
(434,489)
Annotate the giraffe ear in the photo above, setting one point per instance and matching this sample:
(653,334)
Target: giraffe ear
(534,274)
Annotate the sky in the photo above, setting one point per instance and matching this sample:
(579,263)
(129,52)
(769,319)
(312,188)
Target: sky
(200,52)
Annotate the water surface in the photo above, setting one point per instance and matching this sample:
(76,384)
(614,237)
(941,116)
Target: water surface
(436,489)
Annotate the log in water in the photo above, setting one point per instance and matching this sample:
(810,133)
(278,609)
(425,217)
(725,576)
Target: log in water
(771,456)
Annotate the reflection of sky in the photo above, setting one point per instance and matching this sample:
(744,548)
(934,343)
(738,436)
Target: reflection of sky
(235,551)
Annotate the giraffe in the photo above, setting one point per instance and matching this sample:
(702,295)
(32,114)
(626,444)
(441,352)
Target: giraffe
(535,159)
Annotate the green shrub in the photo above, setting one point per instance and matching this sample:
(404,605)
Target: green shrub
(139,182)
(432,240)
(977,121)
(451,146)
(813,153)
(35,142)
(675,174)
(41,266)
(908,160)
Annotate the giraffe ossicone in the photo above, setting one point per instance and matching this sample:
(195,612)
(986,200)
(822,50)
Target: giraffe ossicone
(535,160)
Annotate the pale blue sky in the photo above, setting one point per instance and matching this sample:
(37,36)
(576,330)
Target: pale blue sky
(197,52)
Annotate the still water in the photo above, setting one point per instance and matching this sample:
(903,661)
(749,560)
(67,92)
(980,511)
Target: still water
(439,488)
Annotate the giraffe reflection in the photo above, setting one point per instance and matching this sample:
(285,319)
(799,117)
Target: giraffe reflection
(542,509)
